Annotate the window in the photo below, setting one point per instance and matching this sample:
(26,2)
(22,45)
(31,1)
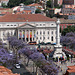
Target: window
(37,33)
(36,24)
(43,24)
(14,25)
(40,24)
(43,32)
(11,25)
(52,32)
(40,32)
(7,25)
(44,38)
(51,24)
(40,37)
(48,32)
(48,37)
(37,38)
(4,33)
(52,38)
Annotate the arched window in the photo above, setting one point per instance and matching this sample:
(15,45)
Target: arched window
(52,38)
(37,32)
(40,32)
(43,32)
(48,32)
(52,32)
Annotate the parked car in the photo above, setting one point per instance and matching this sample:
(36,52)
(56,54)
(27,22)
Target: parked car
(17,66)
(32,43)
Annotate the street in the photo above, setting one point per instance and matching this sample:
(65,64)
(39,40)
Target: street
(21,71)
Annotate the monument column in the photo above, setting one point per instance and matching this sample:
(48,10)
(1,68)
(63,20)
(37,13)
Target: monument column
(58,33)
(58,48)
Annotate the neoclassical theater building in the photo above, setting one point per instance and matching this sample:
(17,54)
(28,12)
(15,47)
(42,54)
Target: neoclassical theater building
(28,27)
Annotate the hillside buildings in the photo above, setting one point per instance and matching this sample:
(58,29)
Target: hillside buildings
(69,2)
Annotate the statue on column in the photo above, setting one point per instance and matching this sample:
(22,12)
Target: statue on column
(58,48)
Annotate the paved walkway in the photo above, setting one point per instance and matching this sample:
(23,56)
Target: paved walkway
(63,66)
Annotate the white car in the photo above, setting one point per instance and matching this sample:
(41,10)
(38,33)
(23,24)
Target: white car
(17,66)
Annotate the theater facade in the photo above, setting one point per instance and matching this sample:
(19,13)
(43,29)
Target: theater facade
(28,27)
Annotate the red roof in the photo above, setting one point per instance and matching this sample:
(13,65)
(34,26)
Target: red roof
(71,71)
(24,18)
(5,71)
(4,8)
(34,4)
(69,50)
(47,51)
(71,67)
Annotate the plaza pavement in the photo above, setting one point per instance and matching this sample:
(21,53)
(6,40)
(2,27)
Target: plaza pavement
(63,66)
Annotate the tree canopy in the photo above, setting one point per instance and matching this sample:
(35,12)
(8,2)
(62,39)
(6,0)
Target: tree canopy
(6,59)
(68,29)
(13,3)
(49,3)
(69,40)
(38,11)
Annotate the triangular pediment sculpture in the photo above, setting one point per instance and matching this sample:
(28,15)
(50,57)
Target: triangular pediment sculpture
(26,25)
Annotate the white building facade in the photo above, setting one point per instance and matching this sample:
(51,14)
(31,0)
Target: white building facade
(28,27)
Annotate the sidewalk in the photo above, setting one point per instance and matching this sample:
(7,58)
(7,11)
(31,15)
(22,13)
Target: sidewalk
(64,67)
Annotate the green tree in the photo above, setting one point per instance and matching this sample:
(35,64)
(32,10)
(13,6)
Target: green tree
(13,3)
(49,3)
(3,5)
(36,1)
(26,2)
(38,11)
(68,29)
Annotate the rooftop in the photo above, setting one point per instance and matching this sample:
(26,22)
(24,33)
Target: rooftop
(62,20)
(24,18)
(5,71)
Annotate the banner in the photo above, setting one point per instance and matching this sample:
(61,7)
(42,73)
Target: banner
(34,35)
(20,34)
(23,34)
(30,33)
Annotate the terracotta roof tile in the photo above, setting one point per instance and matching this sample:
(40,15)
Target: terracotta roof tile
(71,67)
(71,71)
(24,18)
(64,21)
(5,71)
(34,4)
(4,8)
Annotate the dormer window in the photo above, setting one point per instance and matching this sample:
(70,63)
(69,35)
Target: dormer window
(51,24)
